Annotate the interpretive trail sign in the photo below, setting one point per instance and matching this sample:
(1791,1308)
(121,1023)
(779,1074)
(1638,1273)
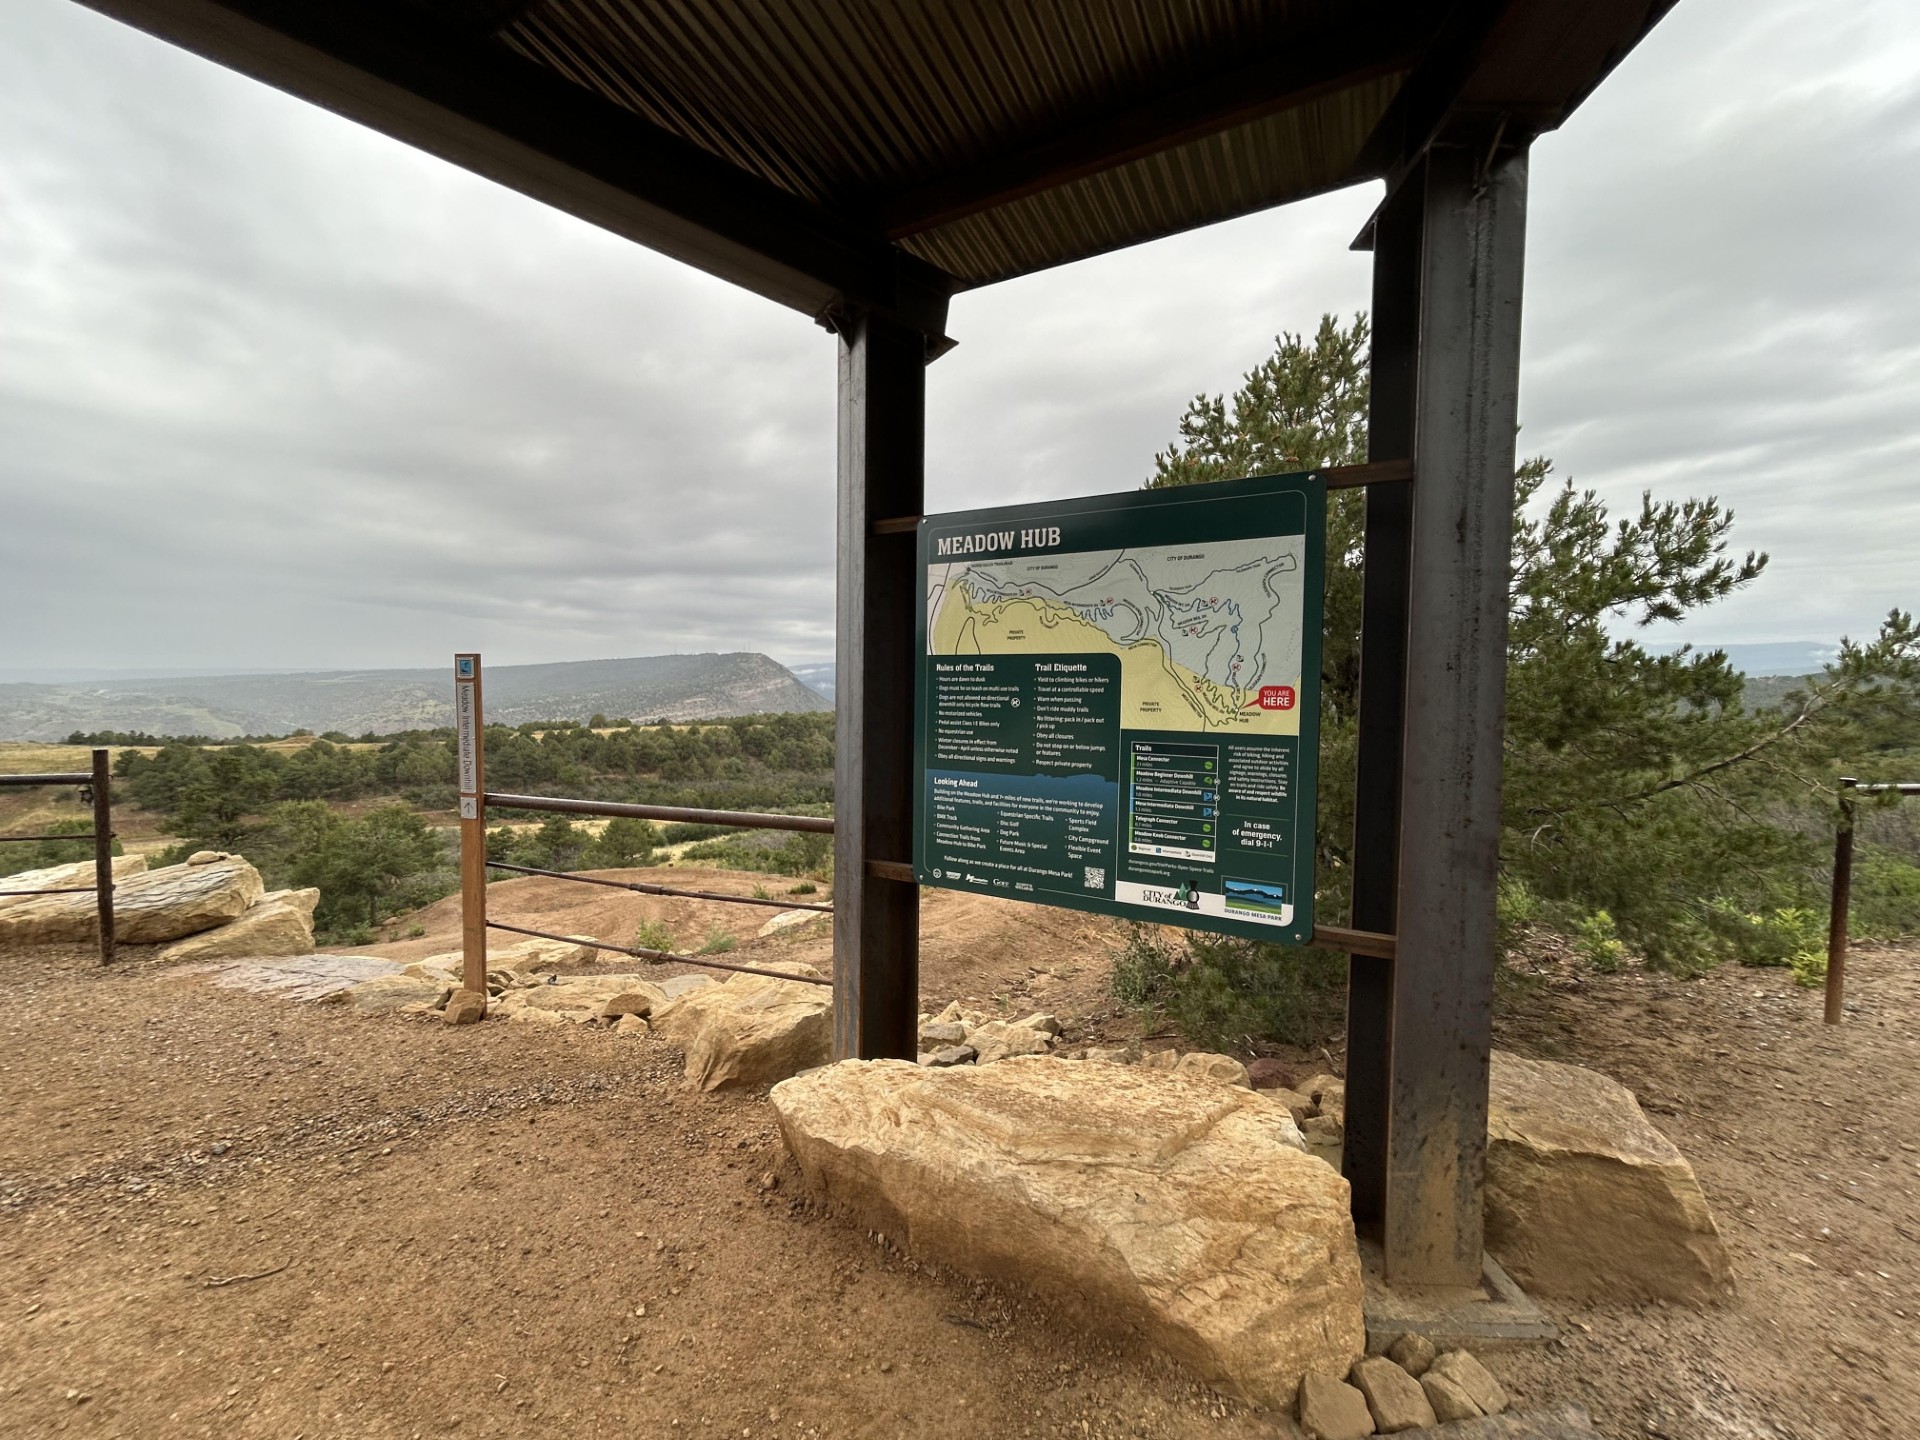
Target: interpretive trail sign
(1118,703)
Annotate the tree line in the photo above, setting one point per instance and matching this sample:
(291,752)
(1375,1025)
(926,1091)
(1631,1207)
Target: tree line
(1646,808)
(297,813)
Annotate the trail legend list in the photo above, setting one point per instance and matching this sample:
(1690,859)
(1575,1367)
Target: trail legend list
(1173,794)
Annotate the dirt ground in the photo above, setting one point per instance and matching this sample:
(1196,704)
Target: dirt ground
(1807,1140)
(225,1214)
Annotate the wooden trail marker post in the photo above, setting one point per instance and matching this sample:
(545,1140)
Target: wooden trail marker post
(103,852)
(469,722)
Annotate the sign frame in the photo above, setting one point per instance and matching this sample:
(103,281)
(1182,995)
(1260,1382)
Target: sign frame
(1286,505)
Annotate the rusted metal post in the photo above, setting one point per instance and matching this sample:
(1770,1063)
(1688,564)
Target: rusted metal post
(1456,667)
(882,468)
(103,852)
(1842,899)
(469,731)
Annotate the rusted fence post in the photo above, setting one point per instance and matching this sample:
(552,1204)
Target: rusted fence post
(103,852)
(1842,899)
(469,729)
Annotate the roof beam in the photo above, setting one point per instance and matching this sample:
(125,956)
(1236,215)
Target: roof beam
(1299,76)
(1509,69)
(477,104)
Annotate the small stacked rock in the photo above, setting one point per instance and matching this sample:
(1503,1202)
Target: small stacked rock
(1412,1387)
(966,1037)
(963,1037)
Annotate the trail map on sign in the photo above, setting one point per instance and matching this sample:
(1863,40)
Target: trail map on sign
(1200,630)
(1117,703)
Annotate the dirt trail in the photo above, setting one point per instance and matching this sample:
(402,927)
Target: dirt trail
(1807,1140)
(468,1221)
(988,953)
(452,1230)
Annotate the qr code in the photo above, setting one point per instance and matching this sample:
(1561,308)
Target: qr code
(1096,877)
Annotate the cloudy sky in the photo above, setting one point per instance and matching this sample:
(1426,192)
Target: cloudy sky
(276,391)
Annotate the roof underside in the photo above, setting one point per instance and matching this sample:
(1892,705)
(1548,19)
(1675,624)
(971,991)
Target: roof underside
(863,109)
(890,152)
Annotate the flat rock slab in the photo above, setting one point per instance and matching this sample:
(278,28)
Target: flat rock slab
(1169,1206)
(787,919)
(300,977)
(1585,1198)
(526,957)
(1557,1422)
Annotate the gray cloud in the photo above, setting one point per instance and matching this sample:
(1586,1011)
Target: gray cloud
(297,395)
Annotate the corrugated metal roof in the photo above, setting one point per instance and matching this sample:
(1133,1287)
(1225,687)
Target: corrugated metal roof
(846,104)
(1284,157)
(883,153)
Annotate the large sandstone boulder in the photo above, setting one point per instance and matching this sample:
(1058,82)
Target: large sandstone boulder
(183,900)
(307,900)
(1168,1205)
(57,917)
(281,926)
(150,907)
(76,872)
(1585,1198)
(750,1029)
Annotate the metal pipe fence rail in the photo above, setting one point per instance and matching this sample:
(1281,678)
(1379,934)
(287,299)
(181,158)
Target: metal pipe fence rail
(1842,897)
(95,787)
(476,800)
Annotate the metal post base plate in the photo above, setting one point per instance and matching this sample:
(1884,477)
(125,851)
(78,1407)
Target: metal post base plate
(1492,1315)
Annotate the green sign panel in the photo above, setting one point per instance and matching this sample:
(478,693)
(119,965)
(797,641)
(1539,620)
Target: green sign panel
(1118,703)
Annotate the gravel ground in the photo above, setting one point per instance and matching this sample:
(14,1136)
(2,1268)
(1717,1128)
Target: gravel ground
(225,1214)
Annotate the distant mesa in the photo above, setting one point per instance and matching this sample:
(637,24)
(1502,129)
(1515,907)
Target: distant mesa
(655,687)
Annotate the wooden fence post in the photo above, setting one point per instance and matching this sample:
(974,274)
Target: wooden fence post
(103,852)
(470,730)
(1842,900)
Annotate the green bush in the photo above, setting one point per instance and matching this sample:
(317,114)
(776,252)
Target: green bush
(383,863)
(653,935)
(1225,992)
(1143,968)
(679,834)
(770,852)
(173,854)
(41,854)
(1785,935)
(718,942)
(1810,967)
(1596,941)
(1515,908)
(1886,894)
(625,843)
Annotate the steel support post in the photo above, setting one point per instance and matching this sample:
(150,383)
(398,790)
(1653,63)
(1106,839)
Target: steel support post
(1466,410)
(103,852)
(882,469)
(1383,658)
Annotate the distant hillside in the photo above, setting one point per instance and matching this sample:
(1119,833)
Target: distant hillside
(669,687)
(817,675)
